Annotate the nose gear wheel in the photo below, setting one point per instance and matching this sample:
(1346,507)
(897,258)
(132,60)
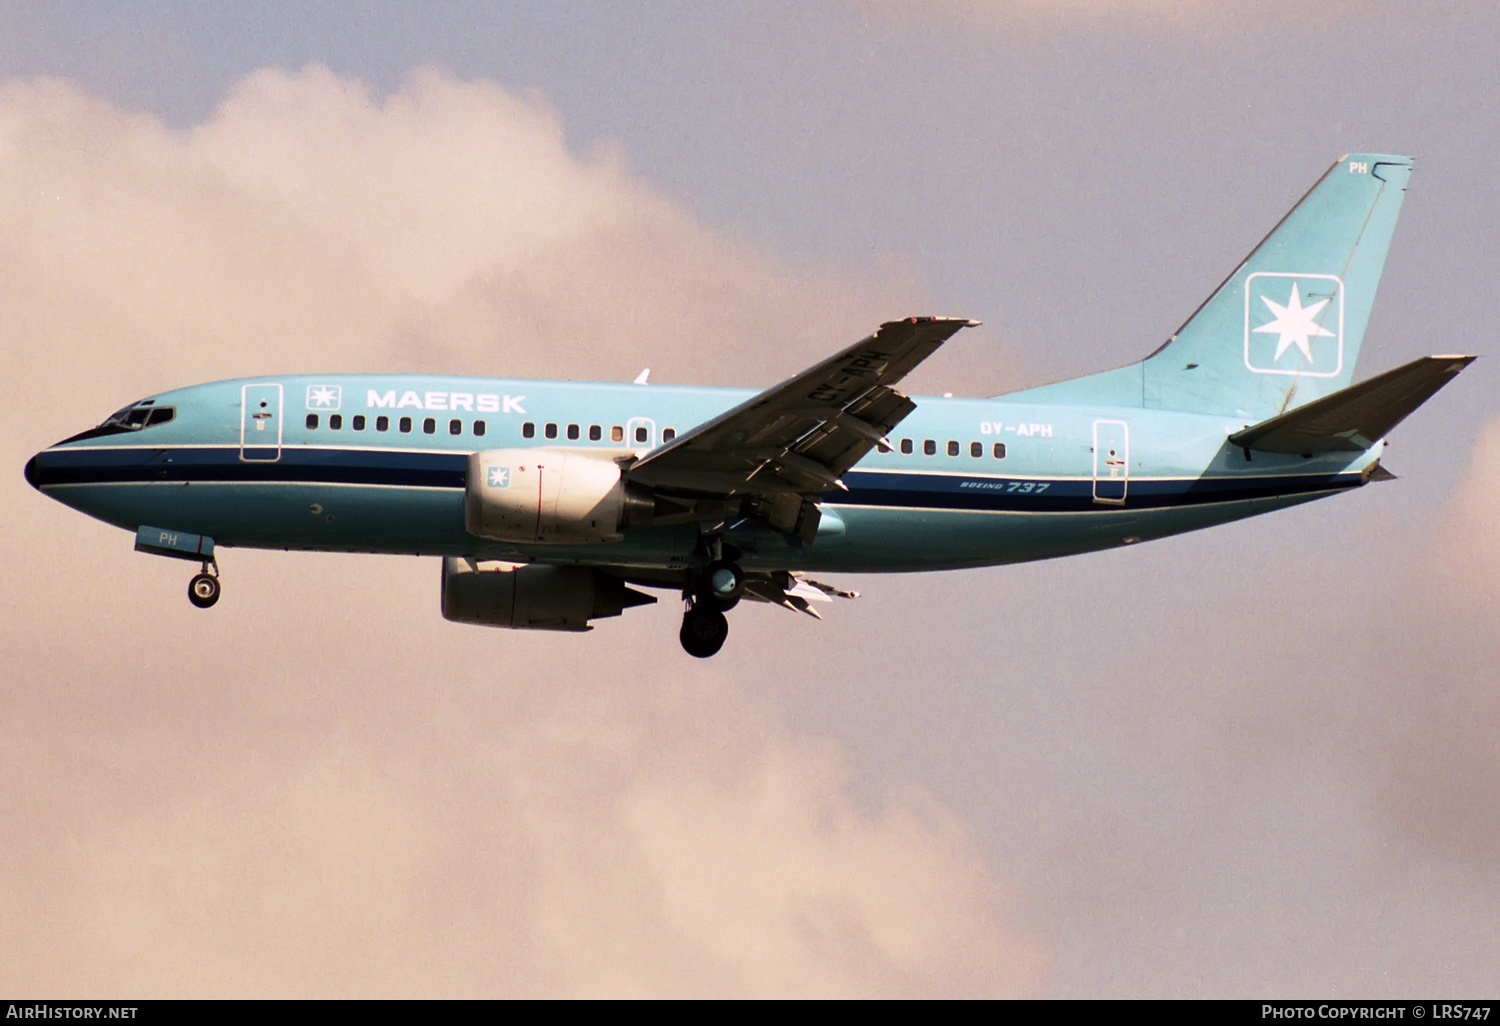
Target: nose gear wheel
(203,589)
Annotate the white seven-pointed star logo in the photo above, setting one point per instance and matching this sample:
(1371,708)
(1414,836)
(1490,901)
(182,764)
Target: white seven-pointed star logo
(1295,324)
(322,395)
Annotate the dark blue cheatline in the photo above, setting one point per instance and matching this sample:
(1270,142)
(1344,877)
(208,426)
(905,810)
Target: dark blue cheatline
(223,466)
(882,489)
(930,491)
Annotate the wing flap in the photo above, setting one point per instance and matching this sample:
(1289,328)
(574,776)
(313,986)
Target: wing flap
(1354,418)
(793,591)
(801,436)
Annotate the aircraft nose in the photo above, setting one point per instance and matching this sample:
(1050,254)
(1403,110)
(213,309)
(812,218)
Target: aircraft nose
(31,475)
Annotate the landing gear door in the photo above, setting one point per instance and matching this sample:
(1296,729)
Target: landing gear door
(260,423)
(1111,461)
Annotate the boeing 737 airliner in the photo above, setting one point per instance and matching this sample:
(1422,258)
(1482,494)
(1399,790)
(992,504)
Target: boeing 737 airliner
(552,502)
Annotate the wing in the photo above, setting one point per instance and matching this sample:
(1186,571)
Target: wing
(796,440)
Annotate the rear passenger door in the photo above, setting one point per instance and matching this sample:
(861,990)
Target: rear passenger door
(1111,461)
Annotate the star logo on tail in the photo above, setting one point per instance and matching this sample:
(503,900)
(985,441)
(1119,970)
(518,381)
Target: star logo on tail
(1296,324)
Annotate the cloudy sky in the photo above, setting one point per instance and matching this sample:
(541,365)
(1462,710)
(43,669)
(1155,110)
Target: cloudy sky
(1261,760)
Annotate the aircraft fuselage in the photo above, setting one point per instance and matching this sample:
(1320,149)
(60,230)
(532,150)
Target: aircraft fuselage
(378,464)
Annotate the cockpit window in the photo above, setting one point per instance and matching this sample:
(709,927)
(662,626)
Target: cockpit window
(147,416)
(135,417)
(140,415)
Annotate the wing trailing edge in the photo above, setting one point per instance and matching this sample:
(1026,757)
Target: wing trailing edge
(1354,418)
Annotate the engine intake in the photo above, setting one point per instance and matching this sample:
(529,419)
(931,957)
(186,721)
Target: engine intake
(534,596)
(551,495)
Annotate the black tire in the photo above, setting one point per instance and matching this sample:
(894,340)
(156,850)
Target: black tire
(203,590)
(703,631)
(722,584)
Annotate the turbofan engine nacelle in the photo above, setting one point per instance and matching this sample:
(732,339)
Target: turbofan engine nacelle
(551,495)
(533,596)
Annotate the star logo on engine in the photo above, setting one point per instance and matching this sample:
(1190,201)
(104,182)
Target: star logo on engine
(324,397)
(499,477)
(1288,317)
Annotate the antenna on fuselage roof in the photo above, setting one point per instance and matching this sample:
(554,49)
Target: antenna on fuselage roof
(640,379)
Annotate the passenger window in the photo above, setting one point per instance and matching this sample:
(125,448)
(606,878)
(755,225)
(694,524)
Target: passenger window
(429,425)
(976,449)
(572,432)
(479,428)
(906,446)
(405,425)
(929,448)
(528,430)
(641,435)
(455,426)
(999,450)
(382,423)
(359,422)
(312,421)
(617,433)
(336,422)
(952,448)
(551,430)
(595,433)
(668,434)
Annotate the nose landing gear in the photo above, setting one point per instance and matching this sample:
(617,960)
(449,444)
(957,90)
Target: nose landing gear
(203,589)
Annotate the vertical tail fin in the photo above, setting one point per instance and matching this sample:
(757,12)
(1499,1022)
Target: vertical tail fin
(1285,328)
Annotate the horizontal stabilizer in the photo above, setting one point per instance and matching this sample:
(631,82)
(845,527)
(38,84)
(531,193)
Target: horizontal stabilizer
(1354,418)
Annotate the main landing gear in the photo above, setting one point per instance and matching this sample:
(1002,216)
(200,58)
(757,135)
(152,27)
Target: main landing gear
(716,591)
(704,629)
(203,590)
